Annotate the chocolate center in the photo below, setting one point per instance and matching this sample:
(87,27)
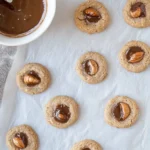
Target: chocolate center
(20,140)
(62,113)
(139,7)
(121,111)
(90,67)
(85,149)
(20,16)
(92,15)
(135,54)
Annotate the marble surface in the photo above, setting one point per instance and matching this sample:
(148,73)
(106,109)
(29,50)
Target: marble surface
(7,55)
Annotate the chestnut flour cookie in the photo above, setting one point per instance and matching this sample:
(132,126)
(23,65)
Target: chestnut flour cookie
(135,56)
(137,13)
(87,145)
(92,67)
(91,17)
(22,137)
(34,78)
(121,112)
(61,111)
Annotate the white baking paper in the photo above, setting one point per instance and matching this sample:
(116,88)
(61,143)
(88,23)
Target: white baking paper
(59,49)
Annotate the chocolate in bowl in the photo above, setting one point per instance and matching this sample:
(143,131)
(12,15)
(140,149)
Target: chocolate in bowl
(25,18)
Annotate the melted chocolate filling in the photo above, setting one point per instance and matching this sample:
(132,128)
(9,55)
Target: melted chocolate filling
(62,113)
(23,137)
(132,50)
(90,18)
(140,5)
(6,4)
(88,68)
(118,112)
(20,16)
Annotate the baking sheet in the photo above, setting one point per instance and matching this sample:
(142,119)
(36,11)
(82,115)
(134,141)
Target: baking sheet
(59,49)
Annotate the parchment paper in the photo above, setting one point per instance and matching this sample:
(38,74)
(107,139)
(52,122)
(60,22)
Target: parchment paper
(59,49)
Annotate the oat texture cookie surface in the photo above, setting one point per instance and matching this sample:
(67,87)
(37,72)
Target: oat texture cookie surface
(137,13)
(61,111)
(92,67)
(22,137)
(135,56)
(91,17)
(34,78)
(121,112)
(87,145)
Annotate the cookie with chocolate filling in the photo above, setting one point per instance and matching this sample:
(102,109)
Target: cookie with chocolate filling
(135,56)
(121,112)
(137,13)
(61,111)
(22,137)
(92,67)
(91,17)
(87,145)
(34,78)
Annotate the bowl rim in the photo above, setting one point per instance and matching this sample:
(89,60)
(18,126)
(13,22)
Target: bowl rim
(17,41)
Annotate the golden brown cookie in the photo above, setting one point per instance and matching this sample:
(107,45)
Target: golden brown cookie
(137,13)
(87,145)
(22,137)
(91,17)
(135,56)
(34,78)
(92,67)
(61,111)
(121,112)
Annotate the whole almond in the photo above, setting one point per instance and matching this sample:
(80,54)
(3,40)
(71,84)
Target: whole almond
(92,12)
(31,80)
(136,57)
(18,142)
(136,13)
(125,110)
(62,117)
(90,67)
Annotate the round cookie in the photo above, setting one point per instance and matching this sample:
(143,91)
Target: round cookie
(22,137)
(92,67)
(87,145)
(91,17)
(61,111)
(137,13)
(135,56)
(34,78)
(121,112)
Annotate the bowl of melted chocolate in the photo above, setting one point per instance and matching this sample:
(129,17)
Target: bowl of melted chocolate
(22,21)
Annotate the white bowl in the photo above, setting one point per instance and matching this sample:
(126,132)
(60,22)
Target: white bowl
(10,41)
